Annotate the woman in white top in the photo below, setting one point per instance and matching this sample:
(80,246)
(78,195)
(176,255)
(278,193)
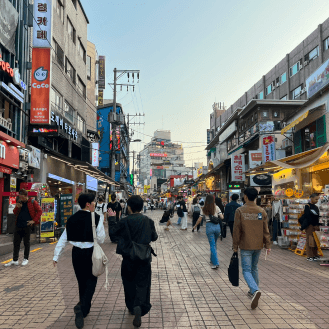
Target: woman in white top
(212,229)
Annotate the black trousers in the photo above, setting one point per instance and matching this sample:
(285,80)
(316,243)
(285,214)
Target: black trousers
(136,279)
(19,234)
(112,222)
(231,225)
(195,217)
(82,264)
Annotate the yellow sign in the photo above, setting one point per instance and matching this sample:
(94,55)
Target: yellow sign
(294,123)
(200,171)
(289,192)
(47,217)
(299,193)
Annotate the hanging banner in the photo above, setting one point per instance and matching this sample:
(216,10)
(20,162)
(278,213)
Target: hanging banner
(8,25)
(40,91)
(268,143)
(255,159)
(101,72)
(100,97)
(47,218)
(238,167)
(95,154)
(42,24)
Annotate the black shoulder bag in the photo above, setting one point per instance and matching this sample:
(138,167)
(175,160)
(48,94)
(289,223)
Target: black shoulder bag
(139,251)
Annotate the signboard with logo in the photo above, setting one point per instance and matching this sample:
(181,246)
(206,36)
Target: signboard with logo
(34,157)
(261,180)
(101,73)
(255,159)
(42,24)
(40,86)
(47,218)
(8,25)
(160,155)
(268,143)
(66,207)
(318,79)
(95,154)
(238,167)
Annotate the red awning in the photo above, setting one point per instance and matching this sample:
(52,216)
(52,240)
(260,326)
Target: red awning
(11,140)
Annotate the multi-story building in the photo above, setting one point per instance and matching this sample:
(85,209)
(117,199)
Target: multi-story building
(268,106)
(161,158)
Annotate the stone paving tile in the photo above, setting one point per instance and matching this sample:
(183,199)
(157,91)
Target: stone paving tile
(186,292)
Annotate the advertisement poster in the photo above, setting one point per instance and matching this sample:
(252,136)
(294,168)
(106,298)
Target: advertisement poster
(66,206)
(40,86)
(47,217)
(255,159)
(268,148)
(12,205)
(34,157)
(318,80)
(238,167)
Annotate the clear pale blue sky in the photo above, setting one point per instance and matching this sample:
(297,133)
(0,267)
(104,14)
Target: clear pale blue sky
(193,53)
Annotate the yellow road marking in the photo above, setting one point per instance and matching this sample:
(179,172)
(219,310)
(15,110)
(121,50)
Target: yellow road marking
(53,242)
(35,249)
(6,261)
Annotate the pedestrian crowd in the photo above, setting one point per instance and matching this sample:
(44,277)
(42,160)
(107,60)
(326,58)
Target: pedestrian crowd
(133,232)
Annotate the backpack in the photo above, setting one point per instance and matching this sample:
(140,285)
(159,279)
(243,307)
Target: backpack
(196,209)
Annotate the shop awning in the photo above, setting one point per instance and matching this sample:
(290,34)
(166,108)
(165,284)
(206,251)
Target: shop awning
(84,167)
(295,122)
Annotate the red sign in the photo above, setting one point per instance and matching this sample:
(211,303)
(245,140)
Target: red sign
(5,170)
(40,86)
(159,167)
(9,155)
(161,155)
(4,66)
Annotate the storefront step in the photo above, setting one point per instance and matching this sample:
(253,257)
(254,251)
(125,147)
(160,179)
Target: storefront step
(6,243)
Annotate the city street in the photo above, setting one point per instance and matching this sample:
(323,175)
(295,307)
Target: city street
(186,292)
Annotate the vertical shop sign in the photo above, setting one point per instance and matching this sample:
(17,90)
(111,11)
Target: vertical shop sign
(238,167)
(42,24)
(66,207)
(40,91)
(268,148)
(255,159)
(47,217)
(94,154)
(100,97)
(101,72)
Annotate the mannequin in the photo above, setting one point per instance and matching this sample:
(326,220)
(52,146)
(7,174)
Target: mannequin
(277,218)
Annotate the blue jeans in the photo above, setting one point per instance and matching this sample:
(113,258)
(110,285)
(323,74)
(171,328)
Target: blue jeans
(213,232)
(179,220)
(249,263)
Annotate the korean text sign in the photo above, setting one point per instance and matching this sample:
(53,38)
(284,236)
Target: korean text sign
(94,154)
(238,167)
(268,148)
(101,73)
(40,86)
(42,24)
(255,158)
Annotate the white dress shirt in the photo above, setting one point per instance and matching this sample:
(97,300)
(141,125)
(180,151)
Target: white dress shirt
(100,233)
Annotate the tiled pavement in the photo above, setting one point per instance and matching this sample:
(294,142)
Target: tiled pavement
(186,292)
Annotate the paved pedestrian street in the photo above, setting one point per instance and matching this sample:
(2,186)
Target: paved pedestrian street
(186,292)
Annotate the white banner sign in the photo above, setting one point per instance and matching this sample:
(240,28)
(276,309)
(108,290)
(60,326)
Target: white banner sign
(95,154)
(255,158)
(238,167)
(42,24)
(268,148)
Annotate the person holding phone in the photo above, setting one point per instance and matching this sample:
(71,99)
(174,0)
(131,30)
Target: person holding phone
(28,213)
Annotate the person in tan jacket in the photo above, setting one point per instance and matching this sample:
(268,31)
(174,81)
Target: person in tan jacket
(251,234)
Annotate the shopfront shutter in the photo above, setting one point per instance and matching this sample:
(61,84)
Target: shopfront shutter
(321,136)
(298,142)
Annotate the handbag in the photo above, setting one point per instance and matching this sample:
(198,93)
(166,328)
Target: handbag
(138,251)
(98,258)
(233,270)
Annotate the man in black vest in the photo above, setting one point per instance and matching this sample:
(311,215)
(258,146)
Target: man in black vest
(79,233)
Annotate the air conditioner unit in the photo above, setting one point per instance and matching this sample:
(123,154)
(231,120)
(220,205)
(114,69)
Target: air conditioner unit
(278,84)
(303,90)
(273,87)
(300,66)
(305,63)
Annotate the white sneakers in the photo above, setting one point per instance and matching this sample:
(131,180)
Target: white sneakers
(24,262)
(12,263)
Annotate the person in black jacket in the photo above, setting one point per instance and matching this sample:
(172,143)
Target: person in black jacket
(311,214)
(136,275)
(230,212)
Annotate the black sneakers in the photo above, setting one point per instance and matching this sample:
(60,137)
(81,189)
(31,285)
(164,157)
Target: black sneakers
(138,317)
(255,299)
(79,322)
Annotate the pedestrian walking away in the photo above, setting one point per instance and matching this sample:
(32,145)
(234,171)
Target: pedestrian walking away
(79,233)
(28,213)
(145,206)
(251,234)
(136,274)
(183,214)
(229,212)
(213,217)
(310,225)
(113,212)
(196,212)
(180,213)
(100,208)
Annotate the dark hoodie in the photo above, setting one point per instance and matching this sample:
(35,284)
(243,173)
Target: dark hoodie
(79,227)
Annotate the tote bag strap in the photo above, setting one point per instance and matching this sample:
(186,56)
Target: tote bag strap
(128,231)
(94,226)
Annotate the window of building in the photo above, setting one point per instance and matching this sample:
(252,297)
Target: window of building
(82,51)
(81,87)
(326,44)
(88,68)
(264,114)
(56,100)
(71,30)
(296,92)
(260,95)
(284,98)
(68,112)
(59,9)
(81,124)
(312,54)
(70,71)
(283,78)
(268,89)
(295,69)
(59,54)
